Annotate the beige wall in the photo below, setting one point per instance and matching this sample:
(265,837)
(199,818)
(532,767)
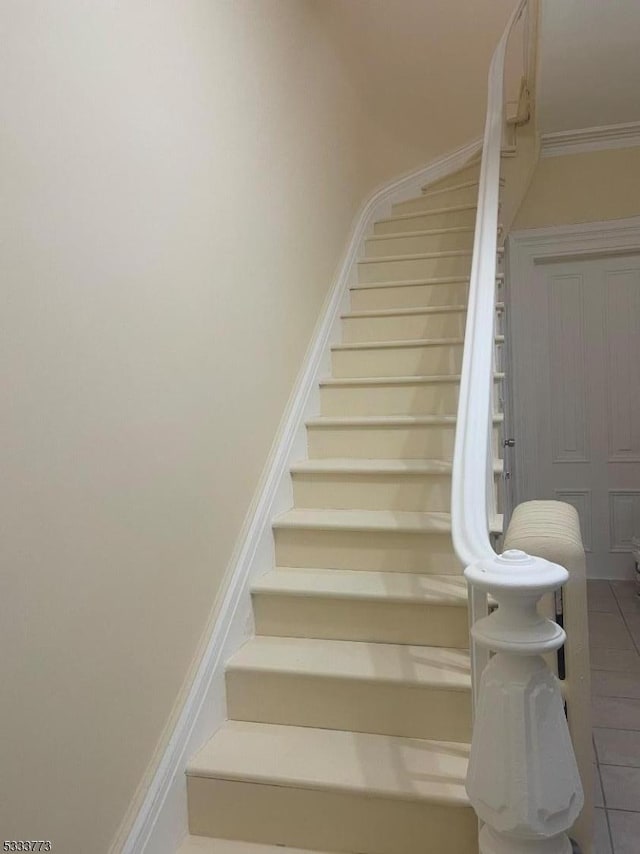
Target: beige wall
(595,185)
(178,183)
(419,69)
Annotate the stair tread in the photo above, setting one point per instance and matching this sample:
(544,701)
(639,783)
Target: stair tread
(463,185)
(404,312)
(405,521)
(358,466)
(458,172)
(404,380)
(391,521)
(207,845)
(341,465)
(409,283)
(419,256)
(378,585)
(341,659)
(447,209)
(422,232)
(385,766)
(404,342)
(386,420)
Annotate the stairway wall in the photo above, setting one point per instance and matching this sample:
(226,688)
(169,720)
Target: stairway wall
(178,185)
(420,71)
(586,187)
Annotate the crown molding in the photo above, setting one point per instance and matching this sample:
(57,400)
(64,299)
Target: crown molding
(599,138)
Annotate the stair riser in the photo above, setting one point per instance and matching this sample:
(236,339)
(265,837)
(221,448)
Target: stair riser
(387,551)
(385,708)
(373,492)
(409,296)
(405,399)
(398,361)
(469,173)
(421,222)
(328,820)
(413,268)
(415,442)
(420,243)
(410,442)
(367,620)
(438,398)
(420,493)
(403,327)
(434,201)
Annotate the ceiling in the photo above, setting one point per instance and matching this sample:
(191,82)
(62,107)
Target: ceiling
(589,64)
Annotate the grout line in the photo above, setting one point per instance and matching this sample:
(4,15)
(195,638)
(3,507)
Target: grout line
(604,797)
(617,809)
(614,765)
(606,818)
(617,728)
(636,646)
(614,696)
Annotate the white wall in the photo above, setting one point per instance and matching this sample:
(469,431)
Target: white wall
(178,183)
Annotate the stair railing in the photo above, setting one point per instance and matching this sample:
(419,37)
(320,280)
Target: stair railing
(523,780)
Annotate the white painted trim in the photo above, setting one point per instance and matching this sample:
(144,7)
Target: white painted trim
(526,249)
(562,241)
(599,138)
(161,820)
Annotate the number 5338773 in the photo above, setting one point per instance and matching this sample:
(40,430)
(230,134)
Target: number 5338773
(27,845)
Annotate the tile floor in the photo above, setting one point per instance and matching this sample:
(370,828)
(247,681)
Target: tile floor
(614,628)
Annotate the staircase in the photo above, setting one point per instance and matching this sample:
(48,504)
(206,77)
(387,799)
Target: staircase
(350,711)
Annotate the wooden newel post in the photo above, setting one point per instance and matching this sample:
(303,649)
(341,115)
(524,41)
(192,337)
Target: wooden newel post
(523,780)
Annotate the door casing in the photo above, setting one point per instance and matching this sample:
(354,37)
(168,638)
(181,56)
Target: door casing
(526,250)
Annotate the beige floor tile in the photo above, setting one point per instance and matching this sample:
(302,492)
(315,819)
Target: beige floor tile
(615,713)
(621,787)
(624,660)
(608,631)
(601,841)
(633,625)
(607,684)
(600,597)
(618,747)
(625,831)
(625,593)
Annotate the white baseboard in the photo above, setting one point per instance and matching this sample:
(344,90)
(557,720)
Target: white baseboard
(161,821)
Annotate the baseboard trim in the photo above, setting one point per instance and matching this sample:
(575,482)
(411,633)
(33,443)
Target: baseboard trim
(590,139)
(157,821)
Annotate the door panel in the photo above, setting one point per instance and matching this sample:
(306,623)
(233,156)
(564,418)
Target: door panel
(622,324)
(577,400)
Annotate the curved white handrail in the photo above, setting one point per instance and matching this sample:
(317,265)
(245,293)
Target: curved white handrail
(472,483)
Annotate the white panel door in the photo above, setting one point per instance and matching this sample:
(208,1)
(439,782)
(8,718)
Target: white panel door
(577,402)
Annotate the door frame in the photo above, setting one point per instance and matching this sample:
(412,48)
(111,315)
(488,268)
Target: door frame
(525,249)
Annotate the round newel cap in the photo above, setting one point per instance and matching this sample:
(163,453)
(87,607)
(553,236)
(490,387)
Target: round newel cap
(516,570)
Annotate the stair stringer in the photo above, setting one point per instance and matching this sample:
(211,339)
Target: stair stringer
(157,819)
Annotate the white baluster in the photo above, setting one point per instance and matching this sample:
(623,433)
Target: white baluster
(523,780)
